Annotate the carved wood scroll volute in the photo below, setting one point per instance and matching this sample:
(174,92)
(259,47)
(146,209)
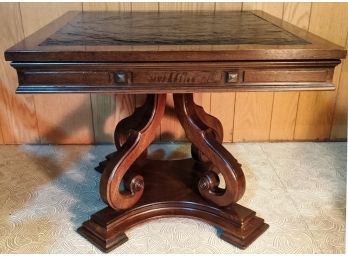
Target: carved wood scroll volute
(135,143)
(206,139)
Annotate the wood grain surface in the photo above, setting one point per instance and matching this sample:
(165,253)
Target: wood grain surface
(289,118)
(94,36)
(170,28)
(316,110)
(284,110)
(17,113)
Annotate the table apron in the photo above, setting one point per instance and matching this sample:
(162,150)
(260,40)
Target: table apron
(174,77)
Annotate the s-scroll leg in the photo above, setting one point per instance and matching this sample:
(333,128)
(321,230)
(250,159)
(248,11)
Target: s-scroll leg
(211,122)
(206,135)
(132,137)
(124,128)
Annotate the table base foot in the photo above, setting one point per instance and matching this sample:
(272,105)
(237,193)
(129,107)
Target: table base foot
(106,244)
(170,191)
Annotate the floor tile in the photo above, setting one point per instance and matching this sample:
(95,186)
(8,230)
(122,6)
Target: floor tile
(47,191)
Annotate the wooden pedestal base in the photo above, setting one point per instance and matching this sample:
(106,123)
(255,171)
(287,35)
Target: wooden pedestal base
(183,188)
(171,191)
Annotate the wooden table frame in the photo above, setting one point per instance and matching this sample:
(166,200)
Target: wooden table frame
(179,188)
(189,187)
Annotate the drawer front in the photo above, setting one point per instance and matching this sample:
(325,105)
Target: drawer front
(229,77)
(203,78)
(319,75)
(171,78)
(66,78)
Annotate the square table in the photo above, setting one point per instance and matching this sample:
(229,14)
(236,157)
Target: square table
(156,53)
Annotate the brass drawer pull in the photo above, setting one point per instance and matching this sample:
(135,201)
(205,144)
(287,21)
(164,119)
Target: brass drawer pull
(232,77)
(120,77)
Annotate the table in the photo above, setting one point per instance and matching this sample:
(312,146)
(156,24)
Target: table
(181,53)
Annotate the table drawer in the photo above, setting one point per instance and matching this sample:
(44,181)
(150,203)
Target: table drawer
(175,77)
(225,77)
(66,77)
(310,75)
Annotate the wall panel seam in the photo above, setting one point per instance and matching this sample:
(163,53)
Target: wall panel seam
(300,93)
(234,115)
(270,124)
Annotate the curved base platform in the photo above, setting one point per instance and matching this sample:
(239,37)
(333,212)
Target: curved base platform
(170,191)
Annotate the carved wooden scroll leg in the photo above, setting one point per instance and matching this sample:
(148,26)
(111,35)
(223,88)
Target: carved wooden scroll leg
(206,139)
(171,185)
(211,122)
(133,122)
(131,140)
(123,129)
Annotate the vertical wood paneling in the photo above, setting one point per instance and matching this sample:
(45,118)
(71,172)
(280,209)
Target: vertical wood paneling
(297,14)
(258,116)
(17,112)
(109,6)
(195,6)
(339,126)
(94,6)
(222,107)
(62,118)
(143,6)
(108,110)
(273,8)
(252,116)
(315,109)
(1,136)
(284,108)
(168,6)
(253,110)
(225,6)
(1,124)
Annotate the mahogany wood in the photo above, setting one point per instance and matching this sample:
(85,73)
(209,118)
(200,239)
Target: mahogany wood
(184,188)
(83,52)
(137,139)
(175,77)
(124,128)
(308,46)
(171,191)
(204,138)
(153,28)
(131,52)
(210,122)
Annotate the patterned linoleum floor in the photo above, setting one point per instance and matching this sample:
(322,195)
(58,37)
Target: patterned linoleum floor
(46,192)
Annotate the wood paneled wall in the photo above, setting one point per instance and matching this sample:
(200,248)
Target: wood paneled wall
(247,116)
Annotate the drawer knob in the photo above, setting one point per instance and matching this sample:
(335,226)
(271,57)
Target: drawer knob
(232,77)
(120,77)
